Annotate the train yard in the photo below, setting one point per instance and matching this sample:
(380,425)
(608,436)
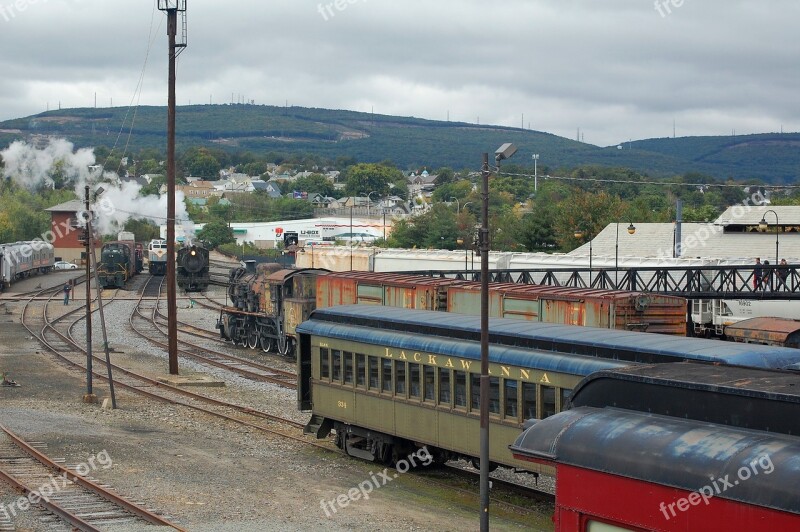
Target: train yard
(181,448)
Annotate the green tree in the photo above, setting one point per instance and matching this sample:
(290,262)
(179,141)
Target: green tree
(444,176)
(143,230)
(367,177)
(152,188)
(201,162)
(216,233)
(315,183)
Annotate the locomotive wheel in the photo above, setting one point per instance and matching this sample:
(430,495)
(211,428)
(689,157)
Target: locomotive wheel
(252,340)
(285,347)
(266,344)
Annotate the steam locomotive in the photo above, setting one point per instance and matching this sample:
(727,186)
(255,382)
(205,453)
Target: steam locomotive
(267,304)
(192,268)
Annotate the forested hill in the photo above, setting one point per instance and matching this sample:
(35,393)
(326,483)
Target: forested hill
(407,141)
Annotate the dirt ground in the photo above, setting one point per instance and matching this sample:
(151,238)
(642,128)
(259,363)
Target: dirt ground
(207,474)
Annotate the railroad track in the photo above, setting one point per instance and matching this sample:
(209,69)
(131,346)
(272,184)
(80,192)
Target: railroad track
(66,349)
(144,322)
(139,384)
(73,498)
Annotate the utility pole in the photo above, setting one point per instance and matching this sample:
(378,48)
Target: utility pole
(90,397)
(172,7)
(484,380)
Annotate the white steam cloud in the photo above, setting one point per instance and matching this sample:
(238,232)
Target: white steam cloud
(34,168)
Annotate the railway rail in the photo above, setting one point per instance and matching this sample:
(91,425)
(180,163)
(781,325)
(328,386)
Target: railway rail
(76,500)
(146,315)
(67,349)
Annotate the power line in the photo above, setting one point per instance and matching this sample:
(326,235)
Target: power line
(664,183)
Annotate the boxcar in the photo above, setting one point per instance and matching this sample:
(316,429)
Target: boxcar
(572,306)
(387,391)
(628,470)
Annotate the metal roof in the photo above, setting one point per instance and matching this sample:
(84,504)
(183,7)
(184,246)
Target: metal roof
(733,380)
(415,342)
(68,206)
(669,451)
(589,341)
(700,240)
(780,326)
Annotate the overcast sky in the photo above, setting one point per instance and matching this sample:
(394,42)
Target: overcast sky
(616,69)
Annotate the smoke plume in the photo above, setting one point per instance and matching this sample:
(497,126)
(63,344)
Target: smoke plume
(35,168)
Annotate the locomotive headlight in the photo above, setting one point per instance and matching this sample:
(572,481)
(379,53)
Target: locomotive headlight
(193,253)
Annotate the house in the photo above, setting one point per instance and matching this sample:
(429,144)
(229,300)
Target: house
(418,183)
(272,188)
(197,189)
(65,231)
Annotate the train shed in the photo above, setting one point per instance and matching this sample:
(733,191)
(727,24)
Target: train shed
(63,219)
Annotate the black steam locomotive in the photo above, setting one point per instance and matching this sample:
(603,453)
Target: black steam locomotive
(267,304)
(192,268)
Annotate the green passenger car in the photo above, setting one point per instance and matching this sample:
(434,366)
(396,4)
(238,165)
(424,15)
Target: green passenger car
(387,391)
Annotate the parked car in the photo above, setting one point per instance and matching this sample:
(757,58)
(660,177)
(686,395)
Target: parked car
(64,265)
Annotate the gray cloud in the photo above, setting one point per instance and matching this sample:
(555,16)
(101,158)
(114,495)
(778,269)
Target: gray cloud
(617,69)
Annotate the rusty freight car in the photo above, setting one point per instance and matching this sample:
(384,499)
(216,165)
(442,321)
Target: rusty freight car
(574,306)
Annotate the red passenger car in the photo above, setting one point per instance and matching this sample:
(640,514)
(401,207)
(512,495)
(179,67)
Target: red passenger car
(627,470)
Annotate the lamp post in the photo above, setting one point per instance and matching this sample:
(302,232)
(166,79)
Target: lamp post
(460,242)
(503,152)
(458,208)
(351,238)
(762,225)
(631,230)
(369,202)
(579,234)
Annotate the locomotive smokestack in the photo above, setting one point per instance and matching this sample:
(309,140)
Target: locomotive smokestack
(250,265)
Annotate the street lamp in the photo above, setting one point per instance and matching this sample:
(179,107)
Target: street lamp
(631,230)
(580,235)
(762,225)
(369,201)
(503,152)
(458,208)
(460,242)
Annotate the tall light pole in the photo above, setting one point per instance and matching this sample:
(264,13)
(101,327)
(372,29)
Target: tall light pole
(503,152)
(458,208)
(579,234)
(369,202)
(535,158)
(172,7)
(89,397)
(460,242)
(762,225)
(631,230)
